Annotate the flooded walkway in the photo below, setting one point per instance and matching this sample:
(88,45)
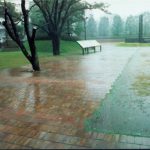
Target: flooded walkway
(126,109)
(48,109)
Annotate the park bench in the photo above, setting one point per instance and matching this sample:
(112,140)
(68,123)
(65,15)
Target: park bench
(89,44)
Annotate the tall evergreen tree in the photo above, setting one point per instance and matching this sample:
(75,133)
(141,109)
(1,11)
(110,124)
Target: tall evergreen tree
(78,28)
(103,29)
(117,26)
(131,26)
(91,27)
(146,24)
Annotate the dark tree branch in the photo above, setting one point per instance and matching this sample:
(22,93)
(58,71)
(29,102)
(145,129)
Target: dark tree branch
(42,27)
(61,10)
(11,28)
(32,7)
(33,33)
(26,19)
(56,13)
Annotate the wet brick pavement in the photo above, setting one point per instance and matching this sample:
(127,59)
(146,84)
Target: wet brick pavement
(48,109)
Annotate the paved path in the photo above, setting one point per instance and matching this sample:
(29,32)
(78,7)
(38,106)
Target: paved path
(126,109)
(48,109)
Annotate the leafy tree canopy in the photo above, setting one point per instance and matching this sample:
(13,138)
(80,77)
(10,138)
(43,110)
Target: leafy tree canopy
(11,8)
(56,13)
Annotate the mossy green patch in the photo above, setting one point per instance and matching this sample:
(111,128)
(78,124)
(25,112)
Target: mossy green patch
(123,44)
(123,111)
(142,85)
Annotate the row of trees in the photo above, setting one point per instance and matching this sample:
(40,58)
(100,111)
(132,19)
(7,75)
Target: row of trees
(117,27)
(105,28)
(55,15)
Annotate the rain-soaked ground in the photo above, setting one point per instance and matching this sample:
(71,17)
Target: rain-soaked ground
(126,109)
(49,109)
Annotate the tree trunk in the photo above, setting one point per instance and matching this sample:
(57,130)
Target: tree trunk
(56,44)
(35,64)
(34,59)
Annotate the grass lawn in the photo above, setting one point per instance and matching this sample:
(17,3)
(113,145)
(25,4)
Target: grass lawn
(123,44)
(44,48)
(67,47)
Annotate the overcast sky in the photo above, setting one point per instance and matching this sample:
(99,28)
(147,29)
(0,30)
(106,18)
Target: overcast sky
(123,7)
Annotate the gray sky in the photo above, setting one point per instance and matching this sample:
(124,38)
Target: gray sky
(123,7)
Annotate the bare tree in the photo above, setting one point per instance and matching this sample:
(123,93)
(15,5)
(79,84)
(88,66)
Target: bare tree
(11,28)
(56,14)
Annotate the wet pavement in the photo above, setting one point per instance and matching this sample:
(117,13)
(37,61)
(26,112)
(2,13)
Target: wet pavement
(49,109)
(128,99)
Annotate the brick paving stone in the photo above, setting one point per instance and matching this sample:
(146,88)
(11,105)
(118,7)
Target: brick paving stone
(11,146)
(48,146)
(80,133)
(1,127)
(88,135)
(94,135)
(66,139)
(139,140)
(10,138)
(144,147)
(46,118)
(61,138)
(127,146)
(116,138)
(127,139)
(74,140)
(42,135)
(27,141)
(2,144)
(33,133)
(22,141)
(32,143)
(8,129)
(51,146)
(17,147)
(19,140)
(44,144)
(98,144)
(67,132)
(72,132)
(46,128)
(78,147)
(62,146)
(84,142)
(108,137)
(131,139)
(66,146)
(101,136)
(49,137)
(146,141)
(2,135)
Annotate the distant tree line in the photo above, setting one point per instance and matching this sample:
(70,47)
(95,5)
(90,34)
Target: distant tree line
(116,27)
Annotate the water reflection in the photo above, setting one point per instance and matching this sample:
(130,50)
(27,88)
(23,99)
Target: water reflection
(65,87)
